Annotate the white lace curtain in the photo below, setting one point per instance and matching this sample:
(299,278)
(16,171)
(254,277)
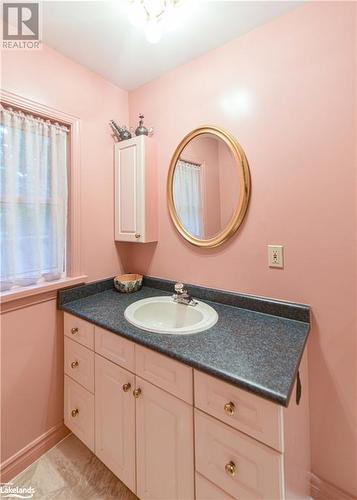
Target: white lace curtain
(187,190)
(34,192)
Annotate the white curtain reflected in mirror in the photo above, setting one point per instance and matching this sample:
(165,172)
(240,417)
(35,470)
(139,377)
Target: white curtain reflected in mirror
(206,186)
(187,188)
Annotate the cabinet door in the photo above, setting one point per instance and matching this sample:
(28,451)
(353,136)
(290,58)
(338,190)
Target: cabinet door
(236,463)
(79,411)
(129,190)
(164,444)
(115,419)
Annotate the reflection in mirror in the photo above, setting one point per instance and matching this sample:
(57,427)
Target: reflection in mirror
(206,186)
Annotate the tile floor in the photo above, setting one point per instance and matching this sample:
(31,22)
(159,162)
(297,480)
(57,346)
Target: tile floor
(70,471)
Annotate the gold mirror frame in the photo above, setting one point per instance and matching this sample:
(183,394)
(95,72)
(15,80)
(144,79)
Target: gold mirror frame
(244,176)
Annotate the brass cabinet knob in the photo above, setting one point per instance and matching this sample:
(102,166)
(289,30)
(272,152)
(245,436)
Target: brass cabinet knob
(126,387)
(74,412)
(74,330)
(137,235)
(229,408)
(136,393)
(230,468)
(74,364)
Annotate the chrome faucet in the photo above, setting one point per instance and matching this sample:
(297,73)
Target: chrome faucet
(181,295)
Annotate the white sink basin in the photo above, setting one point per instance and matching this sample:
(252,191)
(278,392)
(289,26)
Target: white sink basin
(163,315)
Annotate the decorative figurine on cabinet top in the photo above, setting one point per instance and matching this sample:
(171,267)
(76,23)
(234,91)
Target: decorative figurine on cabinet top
(125,133)
(120,133)
(141,129)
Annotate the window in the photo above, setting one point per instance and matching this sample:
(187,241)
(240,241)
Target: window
(187,187)
(34,199)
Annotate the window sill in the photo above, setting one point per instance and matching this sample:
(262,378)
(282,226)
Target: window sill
(30,291)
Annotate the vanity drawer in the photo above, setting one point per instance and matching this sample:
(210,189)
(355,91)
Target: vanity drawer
(205,490)
(115,348)
(79,330)
(79,411)
(238,464)
(164,372)
(79,363)
(242,410)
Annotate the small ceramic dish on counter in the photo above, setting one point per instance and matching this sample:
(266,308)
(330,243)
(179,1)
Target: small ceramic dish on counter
(128,283)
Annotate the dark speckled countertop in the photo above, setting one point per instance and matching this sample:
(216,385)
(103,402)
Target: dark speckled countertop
(256,344)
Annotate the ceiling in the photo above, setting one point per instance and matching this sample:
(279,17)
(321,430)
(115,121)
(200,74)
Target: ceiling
(98,35)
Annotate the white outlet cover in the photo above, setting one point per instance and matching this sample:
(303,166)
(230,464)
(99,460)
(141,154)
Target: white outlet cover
(276,256)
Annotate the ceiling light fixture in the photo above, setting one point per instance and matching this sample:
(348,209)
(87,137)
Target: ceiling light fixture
(154,16)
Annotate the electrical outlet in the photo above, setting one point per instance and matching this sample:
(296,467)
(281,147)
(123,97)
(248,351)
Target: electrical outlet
(276,256)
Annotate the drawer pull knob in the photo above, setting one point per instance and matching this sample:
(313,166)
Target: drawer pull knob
(136,393)
(231,468)
(74,364)
(75,412)
(74,330)
(137,235)
(229,408)
(126,387)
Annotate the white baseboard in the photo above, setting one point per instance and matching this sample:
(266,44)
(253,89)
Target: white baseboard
(322,490)
(31,452)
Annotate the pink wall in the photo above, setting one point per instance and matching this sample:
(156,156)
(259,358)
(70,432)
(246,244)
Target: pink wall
(287,92)
(31,374)
(32,339)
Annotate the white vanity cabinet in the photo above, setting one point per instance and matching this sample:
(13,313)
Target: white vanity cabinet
(141,427)
(135,181)
(170,432)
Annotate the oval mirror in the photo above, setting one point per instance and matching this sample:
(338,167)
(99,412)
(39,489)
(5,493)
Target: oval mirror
(208,186)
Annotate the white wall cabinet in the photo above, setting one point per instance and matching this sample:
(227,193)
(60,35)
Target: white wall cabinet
(148,413)
(135,181)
